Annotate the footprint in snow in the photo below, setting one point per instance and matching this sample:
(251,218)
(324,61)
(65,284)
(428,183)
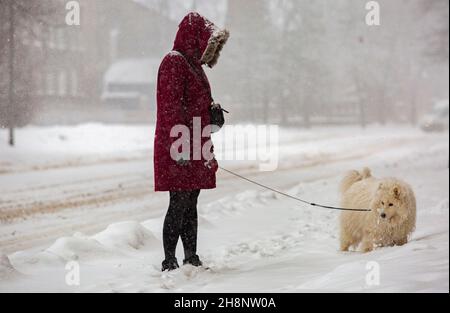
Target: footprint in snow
(170,280)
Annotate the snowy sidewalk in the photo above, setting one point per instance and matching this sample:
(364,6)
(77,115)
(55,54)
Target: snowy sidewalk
(252,240)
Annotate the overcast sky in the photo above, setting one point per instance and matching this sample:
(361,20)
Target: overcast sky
(213,10)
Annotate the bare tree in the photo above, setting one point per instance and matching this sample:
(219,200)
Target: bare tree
(437,36)
(304,72)
(251,54)
(18,27)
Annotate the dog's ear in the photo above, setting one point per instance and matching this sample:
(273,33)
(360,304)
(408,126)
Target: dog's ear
(397,191)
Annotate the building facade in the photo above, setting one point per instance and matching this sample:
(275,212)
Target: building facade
(66,64)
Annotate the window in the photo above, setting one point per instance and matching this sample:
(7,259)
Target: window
(51,38)
(75,37)
(50,81)
(74,83)
(25,37)
(38,83)
(62,83)
(61,40)
(37,30)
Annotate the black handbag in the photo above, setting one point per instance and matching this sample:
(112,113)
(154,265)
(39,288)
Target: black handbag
(217,117)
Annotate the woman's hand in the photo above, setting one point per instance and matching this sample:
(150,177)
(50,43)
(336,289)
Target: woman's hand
(182,162)
(212,165)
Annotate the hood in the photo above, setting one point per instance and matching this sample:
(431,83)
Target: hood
(199,40)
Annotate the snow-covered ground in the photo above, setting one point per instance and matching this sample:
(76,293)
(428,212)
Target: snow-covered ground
(85,194)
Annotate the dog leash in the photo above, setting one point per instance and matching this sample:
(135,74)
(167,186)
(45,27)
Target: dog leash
(208,87)
(291,196)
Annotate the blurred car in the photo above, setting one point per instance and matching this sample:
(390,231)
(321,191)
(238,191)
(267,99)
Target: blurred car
(438,119)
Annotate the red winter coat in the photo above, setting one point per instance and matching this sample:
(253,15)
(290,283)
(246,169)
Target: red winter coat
(183,93)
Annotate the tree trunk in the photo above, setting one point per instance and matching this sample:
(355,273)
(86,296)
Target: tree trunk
(306,102)
(362,114)
(10,110)
(11,140)
(413,114)
(361,101)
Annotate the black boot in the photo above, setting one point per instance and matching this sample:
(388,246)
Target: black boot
(169,265)
(193,260)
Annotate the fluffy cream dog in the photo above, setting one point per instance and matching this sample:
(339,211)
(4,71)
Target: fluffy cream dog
(392,217)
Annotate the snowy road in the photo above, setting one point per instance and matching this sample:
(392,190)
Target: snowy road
(51,188)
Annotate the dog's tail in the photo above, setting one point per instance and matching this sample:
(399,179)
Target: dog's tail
(354,177)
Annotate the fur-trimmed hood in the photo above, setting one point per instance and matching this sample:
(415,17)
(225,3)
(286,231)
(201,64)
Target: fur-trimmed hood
(200,40)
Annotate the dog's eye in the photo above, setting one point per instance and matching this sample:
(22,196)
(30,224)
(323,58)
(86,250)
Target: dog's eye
(382,202)
(391,204)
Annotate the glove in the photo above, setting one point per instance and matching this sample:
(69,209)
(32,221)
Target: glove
(212,165)
(217,117)
(182,162)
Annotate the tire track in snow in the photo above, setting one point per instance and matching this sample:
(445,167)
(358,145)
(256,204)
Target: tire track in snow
(74,163)
(86,198)
(101,203)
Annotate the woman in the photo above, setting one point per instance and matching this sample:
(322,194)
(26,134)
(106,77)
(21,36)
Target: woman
(184,94)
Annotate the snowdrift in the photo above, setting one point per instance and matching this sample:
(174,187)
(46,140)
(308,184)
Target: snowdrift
(116,239)
(7,270)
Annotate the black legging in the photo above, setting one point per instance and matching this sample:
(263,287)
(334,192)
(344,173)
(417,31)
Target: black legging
(181,221)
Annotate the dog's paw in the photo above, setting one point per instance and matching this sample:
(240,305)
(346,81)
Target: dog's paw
(401,242)
(366,248)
